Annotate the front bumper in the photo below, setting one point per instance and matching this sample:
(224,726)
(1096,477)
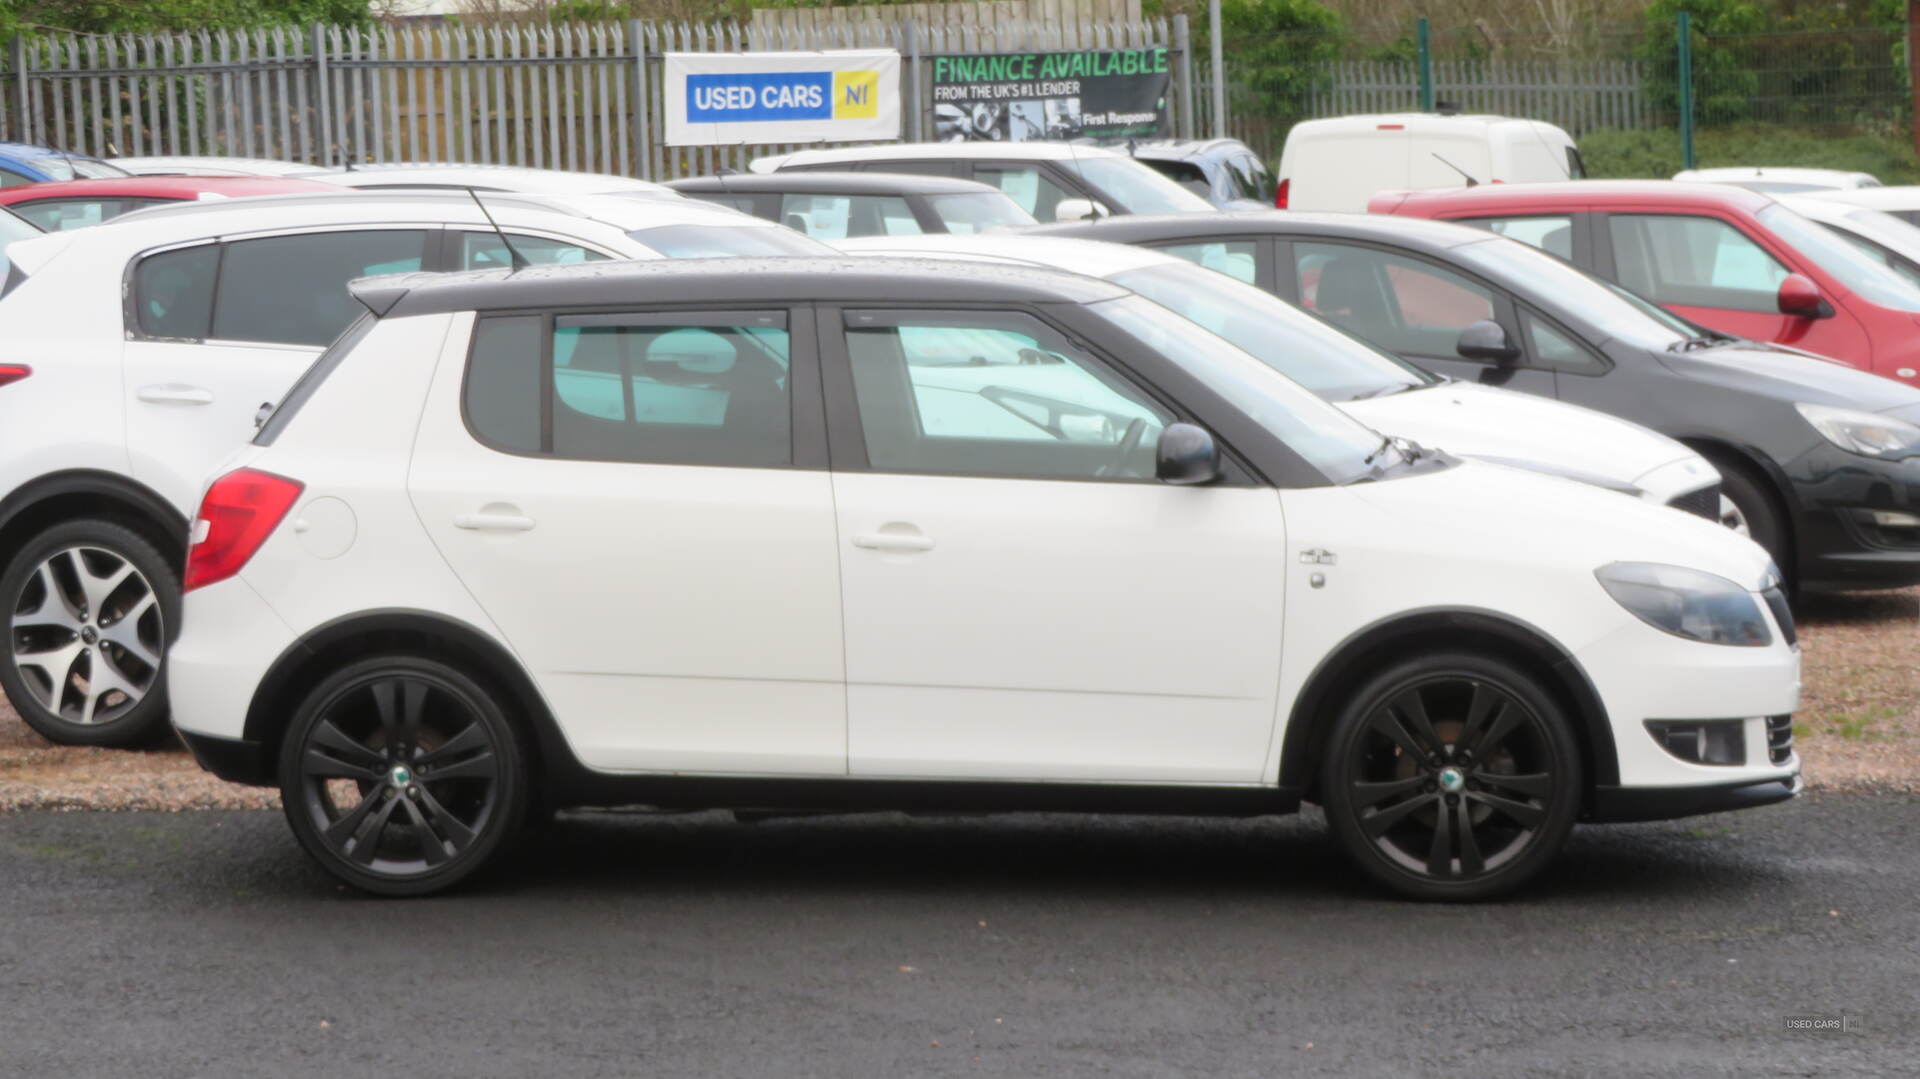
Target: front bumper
(1615,805)
(1837,551)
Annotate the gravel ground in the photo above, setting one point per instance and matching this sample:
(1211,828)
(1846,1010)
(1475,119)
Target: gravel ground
(1858,727)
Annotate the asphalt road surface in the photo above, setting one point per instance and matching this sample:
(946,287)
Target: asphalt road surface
(204,944)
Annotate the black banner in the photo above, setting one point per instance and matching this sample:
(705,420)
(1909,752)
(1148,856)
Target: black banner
(1014,97)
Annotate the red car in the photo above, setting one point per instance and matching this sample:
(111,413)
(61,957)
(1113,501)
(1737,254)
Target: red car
(1725,257)
(73,204)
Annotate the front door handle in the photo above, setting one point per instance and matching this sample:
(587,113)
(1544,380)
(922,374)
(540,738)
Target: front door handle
(173,393)
(493,522)
(894,537)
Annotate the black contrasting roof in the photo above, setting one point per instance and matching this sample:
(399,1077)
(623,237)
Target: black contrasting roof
(831,183)
(745,281)
(1411,232)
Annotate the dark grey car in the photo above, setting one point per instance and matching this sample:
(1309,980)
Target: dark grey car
(1225,172)
(1821,462)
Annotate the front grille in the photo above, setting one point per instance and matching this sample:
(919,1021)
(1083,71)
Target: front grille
(1702,503)
(1783,614)
(1779,738)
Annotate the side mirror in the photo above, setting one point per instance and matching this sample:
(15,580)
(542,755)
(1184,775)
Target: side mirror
(1078,210)
(1801,298)
(1486,340)
(1186,455)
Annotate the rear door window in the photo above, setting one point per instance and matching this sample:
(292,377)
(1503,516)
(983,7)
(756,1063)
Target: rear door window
(1238,259)
(1027,185)
(1404,305)
(836,217)
(1552,233)
(293,289)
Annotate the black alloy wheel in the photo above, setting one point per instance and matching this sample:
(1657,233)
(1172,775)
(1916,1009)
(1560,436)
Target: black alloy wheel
(1452,776)
(401,776)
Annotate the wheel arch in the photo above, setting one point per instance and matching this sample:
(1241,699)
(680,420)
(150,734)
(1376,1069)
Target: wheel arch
(1718,451)
(64,496)
(1317,706)
(411,632)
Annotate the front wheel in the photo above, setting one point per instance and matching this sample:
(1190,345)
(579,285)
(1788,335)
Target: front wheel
(1451,776)
(401,776)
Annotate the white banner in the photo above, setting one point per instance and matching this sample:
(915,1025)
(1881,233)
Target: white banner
(730,98)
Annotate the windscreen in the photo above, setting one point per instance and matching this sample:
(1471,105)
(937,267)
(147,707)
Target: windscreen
(1137,188)
(1320,357)
(1330,440)
(1862,274)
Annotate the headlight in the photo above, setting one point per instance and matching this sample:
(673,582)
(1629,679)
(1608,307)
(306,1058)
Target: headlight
(1687,603)
(1867,433)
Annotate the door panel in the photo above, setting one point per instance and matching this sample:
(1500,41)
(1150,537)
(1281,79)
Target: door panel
(1023,600)
(1061,630)
(677,616)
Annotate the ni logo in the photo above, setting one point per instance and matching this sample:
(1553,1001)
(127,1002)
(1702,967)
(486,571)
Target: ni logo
(856,95)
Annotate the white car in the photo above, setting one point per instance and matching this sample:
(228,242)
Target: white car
(1337,163)
(211,166)
(1383,391)
(1781,181)
(1887,233)
(795,562)
(499,178)
(137,354)
(1053,181)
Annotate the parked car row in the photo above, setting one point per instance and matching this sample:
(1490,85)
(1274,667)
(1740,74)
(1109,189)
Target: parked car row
(438,509)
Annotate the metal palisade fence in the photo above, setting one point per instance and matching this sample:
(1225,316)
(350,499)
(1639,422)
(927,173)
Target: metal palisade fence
(579,96)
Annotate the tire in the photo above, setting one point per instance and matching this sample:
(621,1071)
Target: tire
(401,776)
(1445,739)
(1748,505)
(91,607)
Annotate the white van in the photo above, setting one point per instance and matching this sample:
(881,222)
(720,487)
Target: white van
(1339,163)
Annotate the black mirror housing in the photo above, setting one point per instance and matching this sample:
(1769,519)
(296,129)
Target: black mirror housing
(1487,342)
(1186,455)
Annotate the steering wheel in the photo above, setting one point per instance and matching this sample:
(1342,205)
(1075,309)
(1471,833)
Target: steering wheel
(1129,442)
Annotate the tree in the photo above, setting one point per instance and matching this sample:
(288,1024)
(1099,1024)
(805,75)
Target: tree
(144,16)
(1278,52)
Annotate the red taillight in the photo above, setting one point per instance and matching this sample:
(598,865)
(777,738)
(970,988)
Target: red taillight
(240,511)
(11,373)
(1280,195)
(1389,127)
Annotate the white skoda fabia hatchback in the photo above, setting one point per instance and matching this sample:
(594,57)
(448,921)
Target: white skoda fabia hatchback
(925,535)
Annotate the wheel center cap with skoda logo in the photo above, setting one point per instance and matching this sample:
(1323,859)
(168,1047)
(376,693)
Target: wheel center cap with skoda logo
(400,776)
(1451,780)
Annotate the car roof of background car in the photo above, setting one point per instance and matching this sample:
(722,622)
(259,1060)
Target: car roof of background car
(1903,197)
(232,166)
(833,183)
(1571,194)
(453,174)
(874,282)
(1429,122)
(1092,257)
(1837,178)
(179,188)
(915,151)
(1410,232)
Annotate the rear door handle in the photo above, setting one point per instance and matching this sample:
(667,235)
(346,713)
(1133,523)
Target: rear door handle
(893,541)
(493,522)
(173,393)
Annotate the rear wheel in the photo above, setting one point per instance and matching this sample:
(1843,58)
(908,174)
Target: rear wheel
(1451,776)
(91,607)
(401,776)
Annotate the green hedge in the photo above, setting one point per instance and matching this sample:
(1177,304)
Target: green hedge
(1642,154)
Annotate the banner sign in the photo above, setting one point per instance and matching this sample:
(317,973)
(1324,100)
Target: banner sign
(729,98)
(1013,97)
